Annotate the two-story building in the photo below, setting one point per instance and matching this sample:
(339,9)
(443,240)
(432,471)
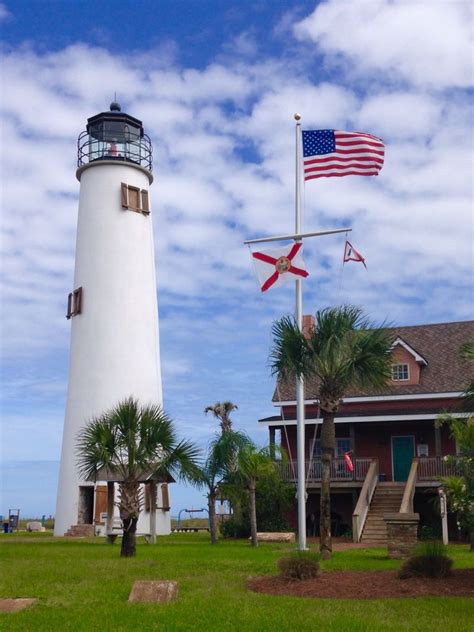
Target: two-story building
(396,449)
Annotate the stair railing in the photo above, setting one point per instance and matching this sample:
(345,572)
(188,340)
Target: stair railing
(365,498)
(408,494)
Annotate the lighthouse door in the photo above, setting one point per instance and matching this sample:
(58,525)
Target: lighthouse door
(85,510)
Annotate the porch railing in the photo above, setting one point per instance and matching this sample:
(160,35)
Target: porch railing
(409,491)
(434,467)
(339,470)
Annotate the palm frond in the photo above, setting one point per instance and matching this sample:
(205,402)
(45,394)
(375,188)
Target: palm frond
(343,349)
(96,447)
(181,461)
(255,463)
(289,354)
(133,441)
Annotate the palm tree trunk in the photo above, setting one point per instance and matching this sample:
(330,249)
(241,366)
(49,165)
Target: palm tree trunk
(253,515)
(129,539)
(129,512)
(213,517)
(328,443)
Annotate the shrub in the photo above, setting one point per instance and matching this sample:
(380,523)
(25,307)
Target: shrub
(300,565)
(232,528)
(274,499)
(429,532)
(429,560)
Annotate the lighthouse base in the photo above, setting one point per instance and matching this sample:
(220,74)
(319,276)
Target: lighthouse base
(96,502)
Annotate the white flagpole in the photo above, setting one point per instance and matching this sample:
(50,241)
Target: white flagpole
(300,425)
(298,236)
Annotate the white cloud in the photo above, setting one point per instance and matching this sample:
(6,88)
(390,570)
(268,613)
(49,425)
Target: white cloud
(401,115)
(424,43)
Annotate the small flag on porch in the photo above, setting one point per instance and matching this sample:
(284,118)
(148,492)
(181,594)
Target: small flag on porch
(279,265)
(331,153)
(351,254)
(348,461)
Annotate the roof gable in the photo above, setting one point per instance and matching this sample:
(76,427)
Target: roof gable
(418,358)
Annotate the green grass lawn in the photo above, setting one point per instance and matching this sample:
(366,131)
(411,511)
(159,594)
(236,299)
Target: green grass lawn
(84,585)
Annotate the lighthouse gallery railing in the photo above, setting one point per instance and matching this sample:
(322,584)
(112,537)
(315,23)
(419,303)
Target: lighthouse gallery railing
(133,149)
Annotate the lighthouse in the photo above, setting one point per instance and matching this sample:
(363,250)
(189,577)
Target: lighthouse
(112,307)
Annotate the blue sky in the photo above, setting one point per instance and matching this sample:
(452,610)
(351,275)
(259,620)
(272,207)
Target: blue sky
(216,84)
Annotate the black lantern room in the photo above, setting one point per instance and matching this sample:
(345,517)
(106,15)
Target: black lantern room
(114,136)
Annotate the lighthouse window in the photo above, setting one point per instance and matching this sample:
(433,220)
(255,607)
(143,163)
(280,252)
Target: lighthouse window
(135,199)
(74,303)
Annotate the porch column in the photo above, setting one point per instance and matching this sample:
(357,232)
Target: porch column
(438,450)
(271,431)
(109,527)
(152,488)
(353,438)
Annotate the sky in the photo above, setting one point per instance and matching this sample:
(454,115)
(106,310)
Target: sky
(216,84)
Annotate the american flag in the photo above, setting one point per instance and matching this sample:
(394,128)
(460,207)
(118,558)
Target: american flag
(330,152)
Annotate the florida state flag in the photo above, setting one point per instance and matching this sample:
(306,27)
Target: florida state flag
(279,265)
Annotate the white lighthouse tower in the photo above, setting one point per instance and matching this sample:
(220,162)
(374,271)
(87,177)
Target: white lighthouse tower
(112,307)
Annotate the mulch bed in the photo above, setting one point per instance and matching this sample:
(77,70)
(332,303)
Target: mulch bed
(367,585)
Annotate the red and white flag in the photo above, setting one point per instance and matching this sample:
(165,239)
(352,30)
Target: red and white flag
(351,254)
(279,265)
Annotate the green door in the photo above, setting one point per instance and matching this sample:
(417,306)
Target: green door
(403,450)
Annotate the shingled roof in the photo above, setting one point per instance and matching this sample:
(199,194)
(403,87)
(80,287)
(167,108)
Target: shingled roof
(438,344)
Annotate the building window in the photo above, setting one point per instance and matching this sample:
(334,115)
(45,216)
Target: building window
(135,199)
(74,303)
(343,445)
(400,372)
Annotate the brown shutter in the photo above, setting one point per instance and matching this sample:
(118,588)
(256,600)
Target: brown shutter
(147,497)
(124,195)
(78,301)
(134,198)
(145,205)
(69,306)
(165,496)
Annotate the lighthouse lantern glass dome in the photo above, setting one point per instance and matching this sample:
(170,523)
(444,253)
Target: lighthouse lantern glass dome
(114,136)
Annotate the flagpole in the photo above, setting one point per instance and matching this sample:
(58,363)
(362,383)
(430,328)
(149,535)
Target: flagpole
(300,425)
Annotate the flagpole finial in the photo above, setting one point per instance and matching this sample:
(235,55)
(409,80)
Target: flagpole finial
(297,117)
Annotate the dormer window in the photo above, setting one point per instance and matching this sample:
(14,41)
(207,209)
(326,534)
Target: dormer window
(400,372)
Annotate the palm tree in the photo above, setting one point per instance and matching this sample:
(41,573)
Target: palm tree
(132,442)
(219,463)
(343,350)
(460,488)
(253,464)
(221,411)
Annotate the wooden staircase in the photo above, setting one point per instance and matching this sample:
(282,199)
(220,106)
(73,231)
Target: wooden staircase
(81,531)
(387,499)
